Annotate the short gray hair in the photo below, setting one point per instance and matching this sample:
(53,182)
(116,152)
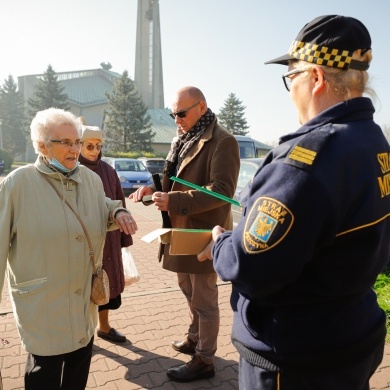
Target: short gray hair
(45,121)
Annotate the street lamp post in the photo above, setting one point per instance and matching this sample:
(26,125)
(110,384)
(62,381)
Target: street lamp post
(1,134)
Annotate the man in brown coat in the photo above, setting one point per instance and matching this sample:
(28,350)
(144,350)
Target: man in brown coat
(203,153)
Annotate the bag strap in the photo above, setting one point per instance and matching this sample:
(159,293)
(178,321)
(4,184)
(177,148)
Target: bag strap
(91,251)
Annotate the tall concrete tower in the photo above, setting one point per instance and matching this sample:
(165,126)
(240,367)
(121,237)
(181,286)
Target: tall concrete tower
(148,74)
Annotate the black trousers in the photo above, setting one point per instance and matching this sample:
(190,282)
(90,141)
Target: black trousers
(355,377)
(68,371)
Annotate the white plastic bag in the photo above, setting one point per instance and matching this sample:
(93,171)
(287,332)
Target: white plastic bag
(129,267)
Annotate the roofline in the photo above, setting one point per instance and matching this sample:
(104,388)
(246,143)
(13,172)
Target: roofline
(73,71)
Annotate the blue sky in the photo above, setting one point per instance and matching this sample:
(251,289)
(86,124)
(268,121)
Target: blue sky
(219,46)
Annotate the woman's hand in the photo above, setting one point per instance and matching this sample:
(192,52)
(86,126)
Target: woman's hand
(125,222)
(140,193)
(206,252)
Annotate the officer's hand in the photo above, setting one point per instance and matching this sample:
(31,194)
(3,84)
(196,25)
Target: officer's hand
(206,252)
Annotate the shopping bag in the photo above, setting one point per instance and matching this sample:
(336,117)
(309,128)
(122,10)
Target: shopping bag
(129,267)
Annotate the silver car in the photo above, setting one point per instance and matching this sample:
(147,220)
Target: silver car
(248,168)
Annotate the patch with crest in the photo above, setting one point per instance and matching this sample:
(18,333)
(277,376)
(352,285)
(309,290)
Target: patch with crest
(268,222)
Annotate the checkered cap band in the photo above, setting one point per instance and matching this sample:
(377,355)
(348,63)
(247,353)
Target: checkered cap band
(321,55)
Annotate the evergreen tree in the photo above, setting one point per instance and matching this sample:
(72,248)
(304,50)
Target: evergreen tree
(48,93)
(12,117)
(127,122)
(106,65)
(231,116)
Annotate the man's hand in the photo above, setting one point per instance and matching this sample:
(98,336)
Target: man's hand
(161,200)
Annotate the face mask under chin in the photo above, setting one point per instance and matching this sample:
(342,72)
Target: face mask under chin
(58,166)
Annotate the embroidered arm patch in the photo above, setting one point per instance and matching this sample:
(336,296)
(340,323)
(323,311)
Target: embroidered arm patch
(268,222)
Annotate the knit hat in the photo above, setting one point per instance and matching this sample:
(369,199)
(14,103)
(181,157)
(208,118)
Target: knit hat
(91,132)
(329,40)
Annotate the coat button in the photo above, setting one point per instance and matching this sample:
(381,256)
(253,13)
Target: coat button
(184,211)
(80,238)
(79,291)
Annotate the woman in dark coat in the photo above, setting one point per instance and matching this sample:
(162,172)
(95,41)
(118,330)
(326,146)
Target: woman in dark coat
(90,156)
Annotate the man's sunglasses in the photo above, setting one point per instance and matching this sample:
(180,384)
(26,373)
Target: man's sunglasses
(91,147)
(182,113)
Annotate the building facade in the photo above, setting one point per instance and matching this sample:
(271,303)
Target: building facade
(86,91)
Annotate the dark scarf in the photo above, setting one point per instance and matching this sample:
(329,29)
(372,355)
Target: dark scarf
(100,168)
(92,165)
(182,144)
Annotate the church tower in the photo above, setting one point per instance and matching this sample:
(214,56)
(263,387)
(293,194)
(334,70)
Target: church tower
(148,75)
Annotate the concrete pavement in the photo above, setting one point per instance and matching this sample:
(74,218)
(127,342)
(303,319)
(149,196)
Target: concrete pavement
(153,313)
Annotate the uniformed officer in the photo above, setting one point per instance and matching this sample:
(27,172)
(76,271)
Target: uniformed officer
(315,232)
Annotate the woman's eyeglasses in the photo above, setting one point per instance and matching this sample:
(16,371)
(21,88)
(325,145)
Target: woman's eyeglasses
(182,113)
(65,142)
(91,147)
(286,77)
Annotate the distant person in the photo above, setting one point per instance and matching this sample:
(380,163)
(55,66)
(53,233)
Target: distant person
(45,252)
(315,233)
(92,140)
(203,153)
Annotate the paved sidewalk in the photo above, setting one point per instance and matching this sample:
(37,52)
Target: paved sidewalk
(153,313)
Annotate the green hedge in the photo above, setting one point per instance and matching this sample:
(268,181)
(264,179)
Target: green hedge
(8,160)
(382,289)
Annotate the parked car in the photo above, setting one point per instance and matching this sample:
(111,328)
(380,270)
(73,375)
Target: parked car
(1,166)
(248,168)
(132,173)
(153,164)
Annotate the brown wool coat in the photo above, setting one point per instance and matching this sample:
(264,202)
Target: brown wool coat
(213,162)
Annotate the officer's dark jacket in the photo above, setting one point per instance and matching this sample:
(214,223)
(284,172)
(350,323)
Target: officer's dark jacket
(314,237)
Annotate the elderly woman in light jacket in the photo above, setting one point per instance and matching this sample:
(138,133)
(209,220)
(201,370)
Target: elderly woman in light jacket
(45,253)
